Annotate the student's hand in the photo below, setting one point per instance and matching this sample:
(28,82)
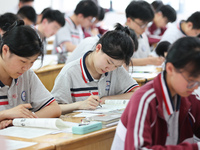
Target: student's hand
(157,61)
(91,103)
(20,111)
(5,123)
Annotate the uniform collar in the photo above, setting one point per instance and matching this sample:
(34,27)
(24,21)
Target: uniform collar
(179,27)
(2,85)
(168,101)
(85,73)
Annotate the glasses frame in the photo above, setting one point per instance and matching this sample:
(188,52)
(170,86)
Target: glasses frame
(191,84)
(141,26)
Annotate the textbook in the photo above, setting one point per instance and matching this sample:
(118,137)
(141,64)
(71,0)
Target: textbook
(109,106)
(48,123)
(106,119)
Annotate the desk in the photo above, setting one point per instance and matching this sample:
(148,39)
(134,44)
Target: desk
(48,74)
(98,140)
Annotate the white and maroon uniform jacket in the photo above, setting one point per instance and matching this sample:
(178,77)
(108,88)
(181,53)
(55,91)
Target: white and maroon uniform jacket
(143,124)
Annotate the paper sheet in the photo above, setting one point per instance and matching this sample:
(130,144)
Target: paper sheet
(13,145)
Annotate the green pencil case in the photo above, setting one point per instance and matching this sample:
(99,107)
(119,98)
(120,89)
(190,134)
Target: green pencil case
(86,128)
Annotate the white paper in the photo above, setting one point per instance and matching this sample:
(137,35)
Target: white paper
(13,145)
(25,132)
(144,69)
(47,60)
(143,75)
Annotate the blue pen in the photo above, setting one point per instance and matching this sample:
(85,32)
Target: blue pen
(96,99)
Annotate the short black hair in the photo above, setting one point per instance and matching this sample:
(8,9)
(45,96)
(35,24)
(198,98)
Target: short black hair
(141,10)
(156,4)
(7,20)
(101,13)
(87,8)
(184,54)
(195,19)
(54,15)
(168,12)
(24,1)
(162,47)
(27,12)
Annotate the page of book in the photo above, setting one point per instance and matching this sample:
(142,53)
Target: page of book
(110,105)
(51,123)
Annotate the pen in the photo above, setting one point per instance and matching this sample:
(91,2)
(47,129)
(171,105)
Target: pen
(96,99)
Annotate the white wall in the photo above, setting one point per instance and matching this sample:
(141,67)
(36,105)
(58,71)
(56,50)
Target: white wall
(6,5)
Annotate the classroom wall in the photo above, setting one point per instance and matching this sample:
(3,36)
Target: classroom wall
(6,5)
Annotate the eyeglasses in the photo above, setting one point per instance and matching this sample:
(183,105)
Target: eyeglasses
(191,84)
(141,26)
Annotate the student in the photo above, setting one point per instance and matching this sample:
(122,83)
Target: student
(21,91)
(89,44)
(164,113)
(71,34)
(7,20)
(190,27)
(98,75)
(156,29)
(51,23)
(95,27)
(28,15)
(138,21)
(22,3)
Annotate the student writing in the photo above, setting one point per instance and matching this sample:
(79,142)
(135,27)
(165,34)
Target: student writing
(99,71)
(21,91)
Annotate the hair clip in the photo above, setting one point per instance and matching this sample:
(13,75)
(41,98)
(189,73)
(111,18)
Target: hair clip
(15,24)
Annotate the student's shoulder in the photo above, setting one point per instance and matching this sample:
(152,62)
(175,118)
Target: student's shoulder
(71,67)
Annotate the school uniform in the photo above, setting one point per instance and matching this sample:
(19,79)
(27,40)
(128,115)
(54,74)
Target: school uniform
(154,33)
(143,50)
(69,33)
(25,89)
(84,46)
(74,83)
(173,33)
(152,121)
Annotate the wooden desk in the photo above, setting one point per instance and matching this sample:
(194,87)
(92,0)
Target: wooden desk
(97,140)
(48,74)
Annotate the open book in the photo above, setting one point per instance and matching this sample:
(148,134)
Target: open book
(49,123)
(109,106)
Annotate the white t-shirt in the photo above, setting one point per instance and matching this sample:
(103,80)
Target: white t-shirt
(143,50)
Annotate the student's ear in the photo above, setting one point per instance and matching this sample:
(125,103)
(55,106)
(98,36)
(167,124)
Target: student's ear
(80,16)
(5,49)
(169,67)
(129,20)
(190,25)
(44,21)
(98,47)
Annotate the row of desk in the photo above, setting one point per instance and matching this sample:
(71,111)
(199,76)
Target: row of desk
(98,140)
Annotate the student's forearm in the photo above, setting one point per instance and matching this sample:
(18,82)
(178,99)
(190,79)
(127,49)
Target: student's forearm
(141,61)
(121,96)
(67,108)
(70,47)
(3,115)
(51,111)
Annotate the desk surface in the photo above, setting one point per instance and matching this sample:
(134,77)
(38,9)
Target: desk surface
(98,140)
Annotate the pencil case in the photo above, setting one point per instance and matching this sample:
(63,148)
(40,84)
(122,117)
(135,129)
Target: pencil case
(87,128)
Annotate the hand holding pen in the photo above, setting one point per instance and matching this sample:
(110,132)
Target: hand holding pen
(96,99)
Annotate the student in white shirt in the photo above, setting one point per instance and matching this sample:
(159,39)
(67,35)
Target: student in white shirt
(138,22)
(98,75)
(21,91)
